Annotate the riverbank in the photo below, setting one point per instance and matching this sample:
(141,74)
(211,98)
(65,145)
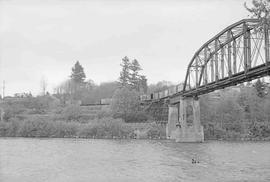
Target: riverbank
(239,139)
(106,128)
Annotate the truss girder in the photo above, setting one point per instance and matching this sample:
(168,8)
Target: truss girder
(237,54)
(237,49)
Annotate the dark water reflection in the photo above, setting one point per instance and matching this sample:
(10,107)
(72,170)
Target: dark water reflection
(79,160)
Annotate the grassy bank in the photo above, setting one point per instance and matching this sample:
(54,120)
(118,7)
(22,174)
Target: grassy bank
(258,132)
(110,128)
(101,128)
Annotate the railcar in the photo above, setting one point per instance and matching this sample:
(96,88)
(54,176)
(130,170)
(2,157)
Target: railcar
(166,93)
(160,94)
(180,87)
(156,96)
(172,90)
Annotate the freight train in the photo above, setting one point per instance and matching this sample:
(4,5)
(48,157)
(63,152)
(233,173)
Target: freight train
(162,94)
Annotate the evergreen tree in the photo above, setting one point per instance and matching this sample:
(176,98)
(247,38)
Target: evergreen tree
(143,84)
(130,77)
(135,77)
(77,74)
(125,73)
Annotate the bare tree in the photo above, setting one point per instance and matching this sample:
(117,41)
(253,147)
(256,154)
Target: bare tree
(43,84)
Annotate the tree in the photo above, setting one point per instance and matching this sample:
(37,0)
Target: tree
(134,75)
(125,73)
(260,9)
(130,77)
(143,84)
(260,88)
(77,83)
(102,91)
(159,86)
(90,85)
(125,103)
(77,74)
(44,85)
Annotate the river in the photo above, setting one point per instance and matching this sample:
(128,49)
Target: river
(87,160)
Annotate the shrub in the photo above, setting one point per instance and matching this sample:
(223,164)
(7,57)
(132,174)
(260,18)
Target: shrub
(89,131)
(3,128)
(232,135)
(72,113)
(9,129)
(12,110)
(259,130)
(36,126)
(126,105)
(156,131)
(104,113)
(265,130)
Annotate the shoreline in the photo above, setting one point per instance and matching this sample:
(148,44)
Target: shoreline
(129,138)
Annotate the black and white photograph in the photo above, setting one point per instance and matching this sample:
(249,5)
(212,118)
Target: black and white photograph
(134,90)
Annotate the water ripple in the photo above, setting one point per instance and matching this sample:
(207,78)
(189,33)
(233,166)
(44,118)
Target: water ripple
(72,160)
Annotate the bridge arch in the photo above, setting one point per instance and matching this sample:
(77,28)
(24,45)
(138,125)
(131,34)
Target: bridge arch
(232,56)
(237,54)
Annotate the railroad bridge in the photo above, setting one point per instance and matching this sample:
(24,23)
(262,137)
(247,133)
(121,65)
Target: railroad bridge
(237,54)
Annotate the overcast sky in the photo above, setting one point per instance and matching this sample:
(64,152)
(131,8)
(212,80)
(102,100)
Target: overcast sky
(43,39)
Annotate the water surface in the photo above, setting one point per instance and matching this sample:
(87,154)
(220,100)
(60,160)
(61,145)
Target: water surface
(87,160)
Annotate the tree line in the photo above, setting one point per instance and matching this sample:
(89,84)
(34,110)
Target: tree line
(78,88)
(241,112)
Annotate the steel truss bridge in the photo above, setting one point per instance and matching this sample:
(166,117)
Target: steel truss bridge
(237,54)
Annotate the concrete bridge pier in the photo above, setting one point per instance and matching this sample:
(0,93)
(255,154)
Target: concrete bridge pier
(177,127)
(172,121)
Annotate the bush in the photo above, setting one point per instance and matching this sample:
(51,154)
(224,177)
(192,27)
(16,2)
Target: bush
(88,131)
(104,113)
(215,132)
(125,104)
(136,117)
(265,130)
(72,113)
(233,135)
(101,128)
(9,129)
(156,131)
(12,110)
(34,128)
(260,130)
